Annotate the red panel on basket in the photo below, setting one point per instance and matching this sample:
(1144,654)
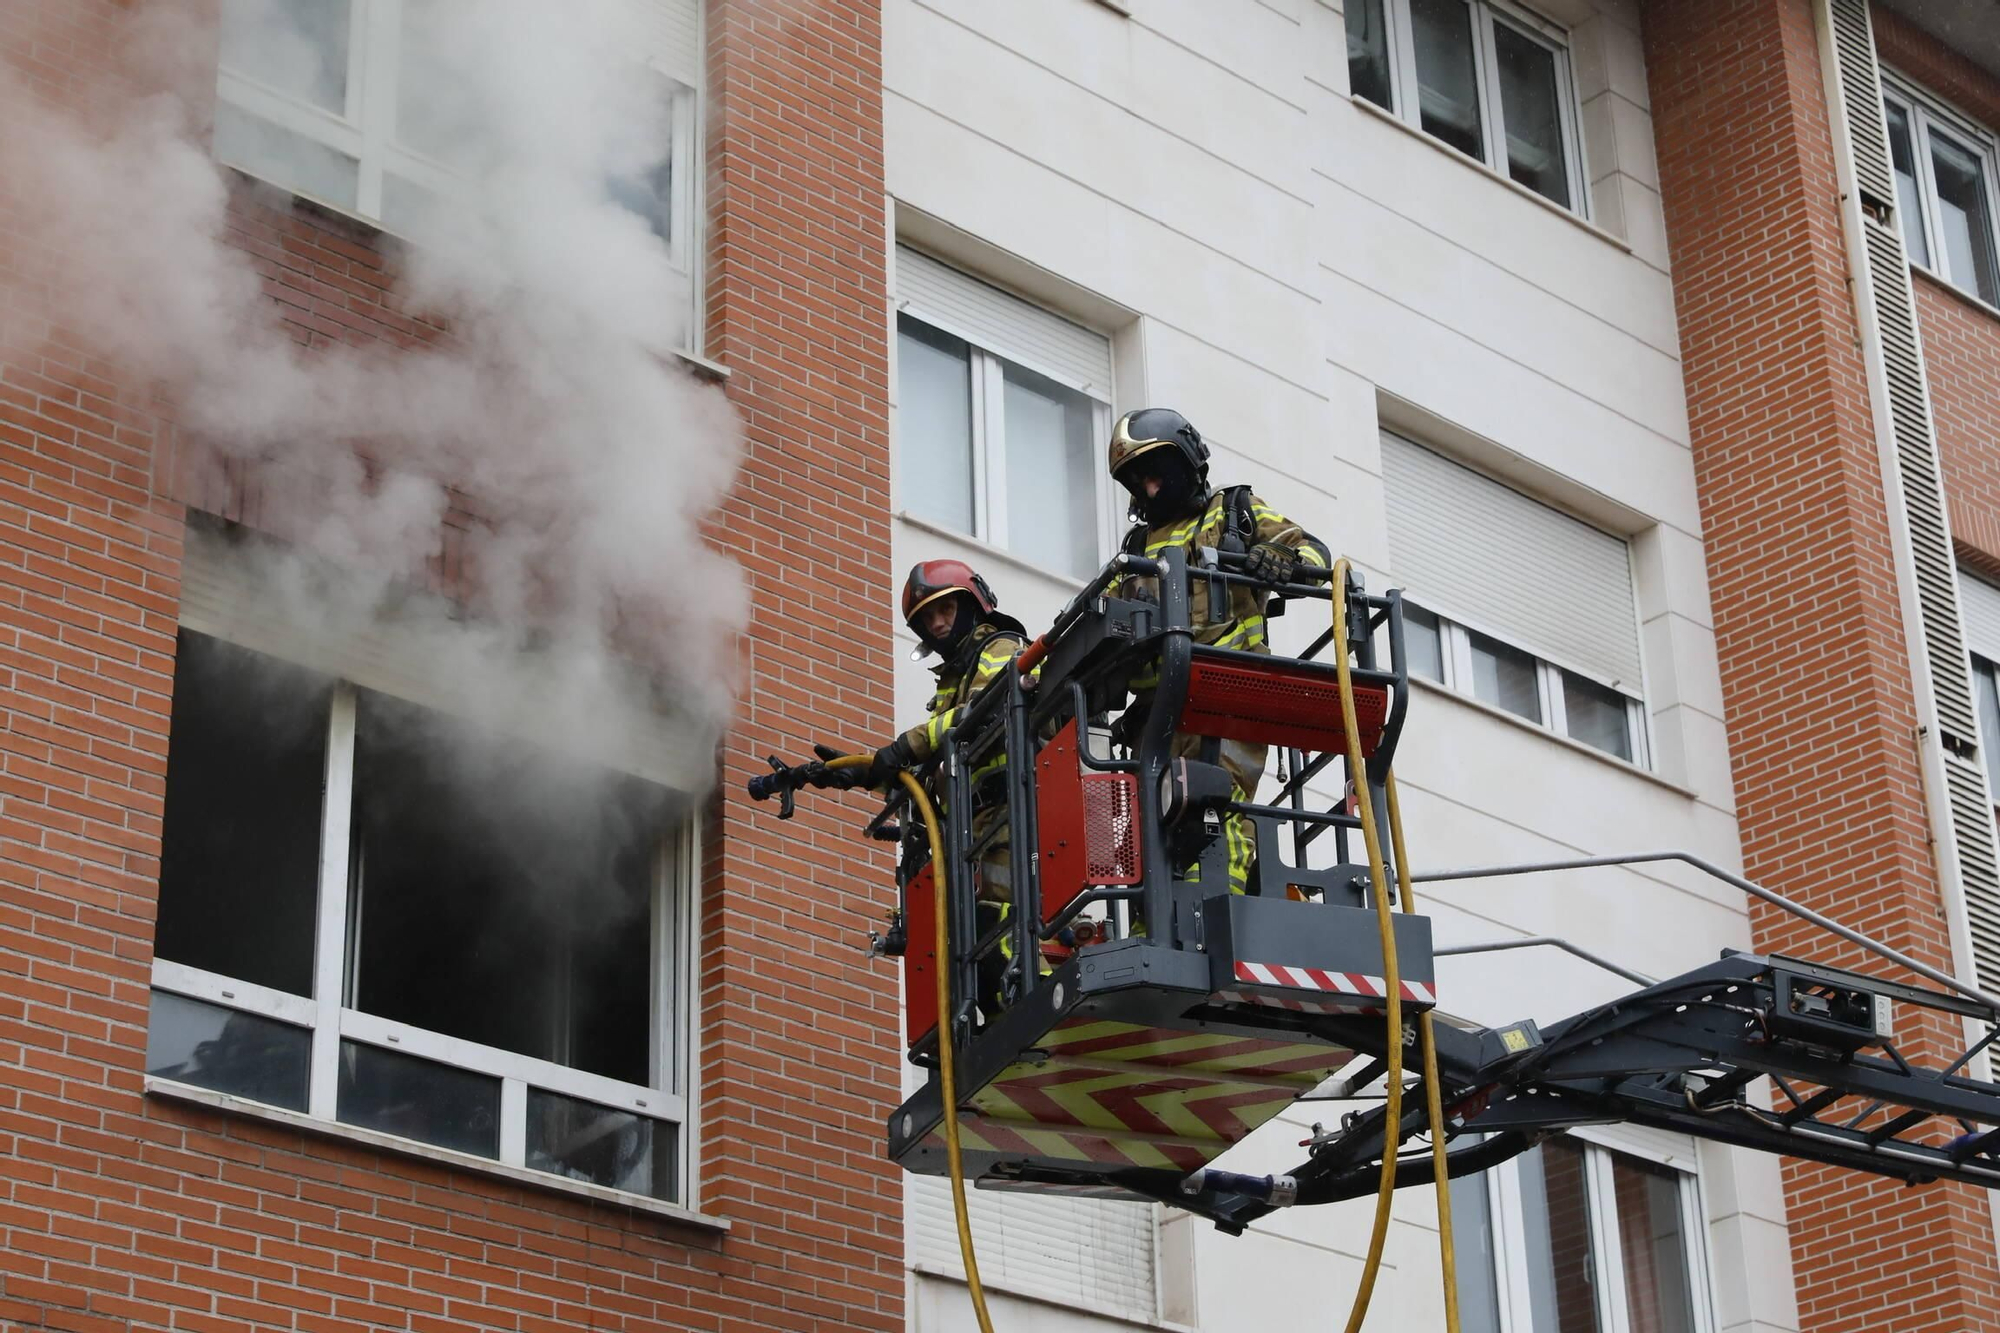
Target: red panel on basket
(1087,824)
(1279,703)
(919,957)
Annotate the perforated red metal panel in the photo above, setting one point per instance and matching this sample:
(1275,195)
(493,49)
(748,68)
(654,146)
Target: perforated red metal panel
(1111,828)
(1283,703)
(1087,823)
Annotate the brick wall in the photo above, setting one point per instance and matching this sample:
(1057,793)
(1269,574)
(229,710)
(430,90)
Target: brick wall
(1815,681)
(120,1212)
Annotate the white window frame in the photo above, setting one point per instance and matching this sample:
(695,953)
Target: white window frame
(331,1021)
(365,128)
(1455,656)
(1504,1188)
(1553,37)
(1928,115)
(989,457)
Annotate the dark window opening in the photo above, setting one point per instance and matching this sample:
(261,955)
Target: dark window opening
(501,896)
(239,862)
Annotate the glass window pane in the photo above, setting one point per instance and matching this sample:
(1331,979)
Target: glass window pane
(934,424)
(296,47)
(1447,87)
(1597,715)
(584,1141)
(501,894)
(1530,109)
(1555,1215)
(227,1050)
(1505,678)
(1472,1229)
(1965,222)
(1653,1242)
(1988,689)
(239,854)
(419,1099)
(1368,52)
(1909,207)
(1423,643)
(1051,473)
(281,157)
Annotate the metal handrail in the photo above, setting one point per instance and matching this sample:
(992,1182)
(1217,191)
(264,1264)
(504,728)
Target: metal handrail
(1755,890)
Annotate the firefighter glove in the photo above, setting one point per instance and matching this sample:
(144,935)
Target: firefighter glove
(888,762)
(1269,562)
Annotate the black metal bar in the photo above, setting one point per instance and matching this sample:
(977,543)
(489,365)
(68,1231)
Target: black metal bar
(1157,734)
(1812,1105)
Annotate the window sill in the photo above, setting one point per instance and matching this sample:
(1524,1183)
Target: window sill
(1950,288)
(1005,557)
(169,1090)
(703,367)
(1541,732)
(1574,219)
(943,1274)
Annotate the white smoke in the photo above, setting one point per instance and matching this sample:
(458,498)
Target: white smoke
(547,398)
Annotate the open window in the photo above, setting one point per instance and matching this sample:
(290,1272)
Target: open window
(377,914)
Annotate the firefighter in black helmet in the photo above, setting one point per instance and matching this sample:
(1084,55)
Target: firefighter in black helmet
(1158,456)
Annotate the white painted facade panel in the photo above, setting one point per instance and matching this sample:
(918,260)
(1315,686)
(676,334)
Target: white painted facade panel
(1295,272)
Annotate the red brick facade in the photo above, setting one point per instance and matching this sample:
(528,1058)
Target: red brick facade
(1817,693)
(119,1211)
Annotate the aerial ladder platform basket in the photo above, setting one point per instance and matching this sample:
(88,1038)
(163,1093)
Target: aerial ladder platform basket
(1128,1019)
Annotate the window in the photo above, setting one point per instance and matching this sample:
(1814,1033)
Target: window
(1946,169)
(1485,77)
(1573,1237)
(357,104)
(1517,682)
(1548,631)
(1001,416)
(1986,688)
(376,914)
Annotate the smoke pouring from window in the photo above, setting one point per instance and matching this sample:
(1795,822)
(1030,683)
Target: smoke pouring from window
(589,457)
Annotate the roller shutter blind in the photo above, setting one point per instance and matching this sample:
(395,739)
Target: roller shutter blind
(1981,603)
(1092,1254)
(1001,322)
(393,643)
(1481,552)
(667,33)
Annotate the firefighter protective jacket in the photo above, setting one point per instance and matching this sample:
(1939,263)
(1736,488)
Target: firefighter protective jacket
(986,652)
(1241,624)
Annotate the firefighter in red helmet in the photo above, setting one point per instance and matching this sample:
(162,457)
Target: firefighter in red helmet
(955,616)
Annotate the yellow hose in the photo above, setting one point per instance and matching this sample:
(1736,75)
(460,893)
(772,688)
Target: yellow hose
(1433,1099)
(947,1068)
(1392,982)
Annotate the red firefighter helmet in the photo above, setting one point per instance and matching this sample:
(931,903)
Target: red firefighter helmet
(932,579)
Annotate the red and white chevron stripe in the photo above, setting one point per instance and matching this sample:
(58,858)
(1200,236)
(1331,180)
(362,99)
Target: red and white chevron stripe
(1287,1002)
(1342,983)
